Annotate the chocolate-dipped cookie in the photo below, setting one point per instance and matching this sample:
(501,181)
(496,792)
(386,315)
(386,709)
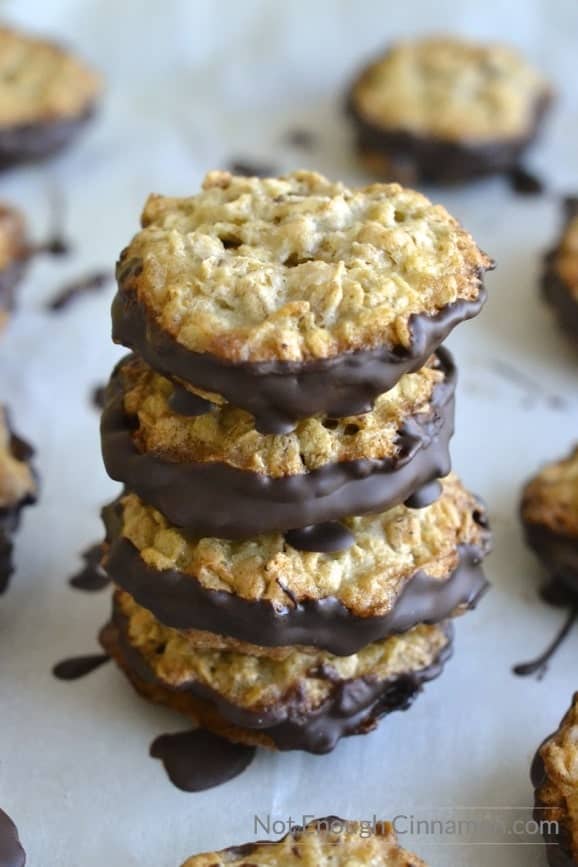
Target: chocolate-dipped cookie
(327,842)
(211,473)
(13,257)
(17,489)
(549,511)
(445,110)
(305,701)
(555,780)
(560,276)
(46,97)
(405,566)
(291,297)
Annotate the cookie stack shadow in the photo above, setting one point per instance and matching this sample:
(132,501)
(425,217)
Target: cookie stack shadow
(290,546)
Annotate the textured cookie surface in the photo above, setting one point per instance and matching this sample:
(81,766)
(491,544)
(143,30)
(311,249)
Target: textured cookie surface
(296,268)
(328,842)
(451,90)
(259,682)
(17,482)
(368,577)
(550,499)
(41,82)
(557,796)
(228,435)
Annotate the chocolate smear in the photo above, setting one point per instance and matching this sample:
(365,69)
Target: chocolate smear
(301,138)
(79,666)
(251,169)
(198,760)
(92,576)
(525,183)
(71,291)
(11,852)
(326,538)
(539,666)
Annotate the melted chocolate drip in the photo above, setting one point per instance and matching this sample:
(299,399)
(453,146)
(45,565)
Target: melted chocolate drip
(326,538)
(97,396)
(539,666)
(557,593)
(198,760)
(70,292)
(184,402)
(92,577)
(251,169)
(524,182)
(425,496)
(79,666)
(11,852)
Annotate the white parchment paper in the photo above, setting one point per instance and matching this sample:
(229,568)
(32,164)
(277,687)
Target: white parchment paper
(190,86)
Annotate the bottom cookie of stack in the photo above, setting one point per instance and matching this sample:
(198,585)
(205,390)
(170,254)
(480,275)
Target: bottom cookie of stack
(306,699)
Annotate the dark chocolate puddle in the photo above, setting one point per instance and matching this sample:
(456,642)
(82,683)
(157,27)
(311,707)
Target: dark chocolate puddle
(92,576)
(92,282)
(539,666)
(11,852)
(198,760)
(525,183)
(327,538)
(79,666)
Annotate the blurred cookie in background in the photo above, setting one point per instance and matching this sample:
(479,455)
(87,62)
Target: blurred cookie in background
(14,256)
(555,779)
(18,488)
(560,276)
(46,97)
(446,110)
(327,842)
(549,511)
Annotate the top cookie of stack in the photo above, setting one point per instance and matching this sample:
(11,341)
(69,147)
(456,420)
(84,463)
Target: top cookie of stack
(294,296)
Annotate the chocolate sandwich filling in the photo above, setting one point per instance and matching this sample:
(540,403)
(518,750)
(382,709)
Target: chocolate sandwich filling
(277,393)
(180,601)
(216,499)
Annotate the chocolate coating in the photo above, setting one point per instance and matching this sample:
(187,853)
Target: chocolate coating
(78,666)
(325,538)
(554,290)
(278,393)
(354,708)
(11,852)
(416,158)
(198,760)
(36,141)
(558,553)
(215,499)
(180,601)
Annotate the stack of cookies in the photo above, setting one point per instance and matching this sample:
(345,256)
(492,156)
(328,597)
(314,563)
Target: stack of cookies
(286,558)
